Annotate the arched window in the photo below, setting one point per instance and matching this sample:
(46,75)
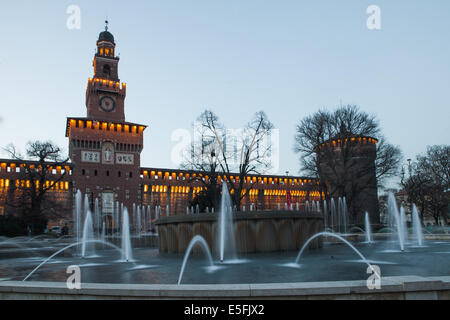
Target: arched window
(106,71)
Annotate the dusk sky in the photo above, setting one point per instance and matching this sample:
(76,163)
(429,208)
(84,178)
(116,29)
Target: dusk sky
(288,58)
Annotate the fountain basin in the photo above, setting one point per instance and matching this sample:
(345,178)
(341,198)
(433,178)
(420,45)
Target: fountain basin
(256,231)
(394,288)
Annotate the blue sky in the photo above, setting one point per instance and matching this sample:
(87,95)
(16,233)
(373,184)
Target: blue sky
(288,58)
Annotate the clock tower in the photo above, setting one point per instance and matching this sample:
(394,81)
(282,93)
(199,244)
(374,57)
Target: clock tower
(104,148)
(104,95)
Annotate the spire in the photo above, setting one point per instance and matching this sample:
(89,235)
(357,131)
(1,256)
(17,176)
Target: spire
(106,24)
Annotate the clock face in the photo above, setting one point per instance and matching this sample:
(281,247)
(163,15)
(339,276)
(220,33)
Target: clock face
(107,104)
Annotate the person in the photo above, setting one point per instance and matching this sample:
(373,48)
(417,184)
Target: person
(65,230)
(29,231)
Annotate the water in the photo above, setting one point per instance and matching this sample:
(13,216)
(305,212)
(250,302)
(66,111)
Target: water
(394,220)
(403,226)
(134,217)
(329,234)
(88,235)
(77,219)
(226,241)
(64,249)
(127,251)
(138,222)
(102,237)
(117,217)
(344,214)
(417,226)
(313,206)
(368,229)
(204,245)
(333,214)
(97,216)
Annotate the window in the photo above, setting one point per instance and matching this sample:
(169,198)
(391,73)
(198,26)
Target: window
(119,174)
(106,71)
(131,174)
(95,172)
(107,173)
(83,172)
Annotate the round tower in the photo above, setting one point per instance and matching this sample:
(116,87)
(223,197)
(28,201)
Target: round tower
(346,165)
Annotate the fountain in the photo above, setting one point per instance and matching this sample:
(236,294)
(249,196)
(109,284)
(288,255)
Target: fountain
(127,254)
(329,234)
(97,216)
(138,222)
(394,219)
(417,226)
(202,242)
(368,229)
(344,214)
(403,225)
(333,214)
(77,214)
(88,235)
(226,240)
(102,237)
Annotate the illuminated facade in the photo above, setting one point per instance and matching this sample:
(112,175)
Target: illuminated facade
(104,150)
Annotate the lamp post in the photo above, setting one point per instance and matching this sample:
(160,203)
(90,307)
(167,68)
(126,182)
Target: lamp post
(409,167)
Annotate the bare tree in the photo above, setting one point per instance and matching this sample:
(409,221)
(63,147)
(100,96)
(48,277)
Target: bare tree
(428,183)
(329,147)
(218,151)
(32,200)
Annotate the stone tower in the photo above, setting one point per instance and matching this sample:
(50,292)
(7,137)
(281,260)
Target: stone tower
(104,148)
(346,166)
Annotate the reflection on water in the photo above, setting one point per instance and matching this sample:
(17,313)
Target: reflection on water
(330,263)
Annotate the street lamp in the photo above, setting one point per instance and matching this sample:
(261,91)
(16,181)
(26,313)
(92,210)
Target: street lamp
(409,167)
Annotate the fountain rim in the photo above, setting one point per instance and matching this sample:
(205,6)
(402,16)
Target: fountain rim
(250,215)
(317,289)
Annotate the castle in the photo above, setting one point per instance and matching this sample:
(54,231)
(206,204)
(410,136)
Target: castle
(105,159)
